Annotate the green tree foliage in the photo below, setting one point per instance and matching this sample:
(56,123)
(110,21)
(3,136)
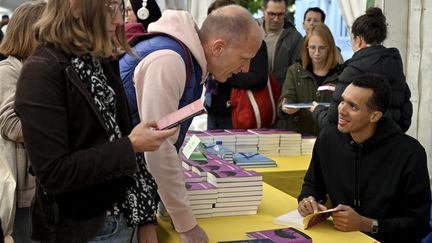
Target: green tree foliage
(252,5)
(255,5)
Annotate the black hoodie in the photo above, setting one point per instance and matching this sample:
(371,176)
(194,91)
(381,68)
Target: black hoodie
(384,178)
(375,59)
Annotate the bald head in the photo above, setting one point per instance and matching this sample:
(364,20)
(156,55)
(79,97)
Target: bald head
(233,23)
(230,37)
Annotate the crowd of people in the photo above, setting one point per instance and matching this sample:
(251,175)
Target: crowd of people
(83,82)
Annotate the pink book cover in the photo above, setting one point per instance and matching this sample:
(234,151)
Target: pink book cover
(220,167)
(209,165)
(224,173)
(197,186)
(217,132)
(185,113)
(239,132)
(284,235)
(263,131)
(191,176)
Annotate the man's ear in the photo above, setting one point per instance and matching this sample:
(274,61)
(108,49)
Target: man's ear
(376,115)
(218,46)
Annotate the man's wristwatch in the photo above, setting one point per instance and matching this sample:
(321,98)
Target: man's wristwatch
(374,227)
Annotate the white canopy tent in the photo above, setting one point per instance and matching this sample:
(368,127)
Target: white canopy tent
(11,4)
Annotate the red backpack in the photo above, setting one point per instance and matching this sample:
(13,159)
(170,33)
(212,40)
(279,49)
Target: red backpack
(255,108)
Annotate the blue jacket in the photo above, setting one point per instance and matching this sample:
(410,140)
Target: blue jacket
(153,42)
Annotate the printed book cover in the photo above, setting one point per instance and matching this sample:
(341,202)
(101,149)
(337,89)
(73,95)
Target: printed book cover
(191,176)
(211,165)
(294,219)
(305,105)
(250,158)
(284,235)
(181,115)
(194,188)
(236,175)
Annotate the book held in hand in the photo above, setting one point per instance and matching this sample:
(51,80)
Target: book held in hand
(294,219)
(181,115)
(284,235)
(304,105)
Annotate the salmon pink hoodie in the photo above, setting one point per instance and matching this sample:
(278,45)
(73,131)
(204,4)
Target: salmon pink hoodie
(159,82)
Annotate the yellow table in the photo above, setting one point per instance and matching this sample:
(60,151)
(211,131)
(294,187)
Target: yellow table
(274,203)
(286,164)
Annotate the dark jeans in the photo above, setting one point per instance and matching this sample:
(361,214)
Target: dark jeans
(21,230)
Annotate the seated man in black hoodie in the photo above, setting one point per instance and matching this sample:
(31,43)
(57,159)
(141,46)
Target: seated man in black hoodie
(372,172)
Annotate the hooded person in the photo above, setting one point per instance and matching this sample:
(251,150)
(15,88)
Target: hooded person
(168,71)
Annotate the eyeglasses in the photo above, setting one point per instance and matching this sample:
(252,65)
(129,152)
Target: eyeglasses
(116,7)
(315,48)
(274,15)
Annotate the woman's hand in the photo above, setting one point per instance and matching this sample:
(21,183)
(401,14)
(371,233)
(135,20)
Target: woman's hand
(145,136)
(288,111)
(147,234)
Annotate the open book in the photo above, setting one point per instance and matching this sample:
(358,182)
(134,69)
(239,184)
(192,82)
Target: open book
(294,219)
(181,115)
(304,105)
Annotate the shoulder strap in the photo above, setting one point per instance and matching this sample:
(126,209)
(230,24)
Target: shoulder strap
(186,51)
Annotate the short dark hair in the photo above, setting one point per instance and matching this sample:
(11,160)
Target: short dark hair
(317,10)
(265,2)
(219,3)
(5,16)
(380,99)
(371,26)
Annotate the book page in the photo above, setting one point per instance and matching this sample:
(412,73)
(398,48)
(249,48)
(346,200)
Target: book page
(294,219)
(315,218)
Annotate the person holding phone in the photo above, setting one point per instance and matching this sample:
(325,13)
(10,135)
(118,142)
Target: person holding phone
(77,131)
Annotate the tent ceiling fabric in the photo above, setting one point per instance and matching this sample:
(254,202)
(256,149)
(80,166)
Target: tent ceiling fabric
(11,4)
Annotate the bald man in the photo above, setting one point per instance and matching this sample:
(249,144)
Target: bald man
(166,79)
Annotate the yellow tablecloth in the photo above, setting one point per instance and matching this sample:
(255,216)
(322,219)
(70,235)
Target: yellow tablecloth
(286,164)
(274,203)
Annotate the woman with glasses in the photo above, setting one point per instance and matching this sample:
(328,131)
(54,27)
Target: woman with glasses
(78,135)
(312,79)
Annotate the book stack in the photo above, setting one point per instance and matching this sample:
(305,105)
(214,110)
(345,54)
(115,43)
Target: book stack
(247,160)
(239,191)
(204,137)
(290,143)
(202,196)
(228,139)
(308,143)
(245,140)
(268,141)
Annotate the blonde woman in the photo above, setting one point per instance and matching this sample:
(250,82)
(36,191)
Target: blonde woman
(319,67)
(18,44)
(91,182)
